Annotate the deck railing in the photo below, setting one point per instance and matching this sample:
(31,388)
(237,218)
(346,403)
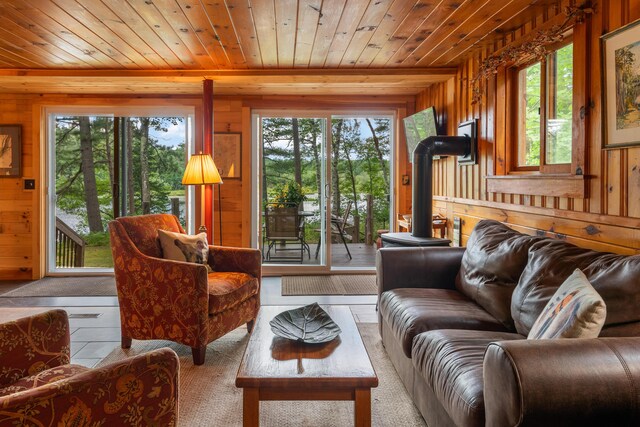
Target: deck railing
(69,246)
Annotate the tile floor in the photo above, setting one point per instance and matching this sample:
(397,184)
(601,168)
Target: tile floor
(95,321)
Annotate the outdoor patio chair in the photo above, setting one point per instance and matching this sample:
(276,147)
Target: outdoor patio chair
(284,226)
(175,300)
(338,226)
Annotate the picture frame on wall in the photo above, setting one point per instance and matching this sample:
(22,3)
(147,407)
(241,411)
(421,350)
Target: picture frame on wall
(10,151)
(227,154)
(621,86)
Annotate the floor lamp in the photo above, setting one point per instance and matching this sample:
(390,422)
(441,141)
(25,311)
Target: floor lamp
(201,170)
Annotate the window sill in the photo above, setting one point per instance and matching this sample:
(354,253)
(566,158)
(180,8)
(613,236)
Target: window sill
(552,185)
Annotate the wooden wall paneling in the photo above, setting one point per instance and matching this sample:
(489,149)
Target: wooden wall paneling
(347,29)
(327,25)
(240,13)
(395,16)
(181,26)
(614,189)
(410,37)
(475,38)
(264,17)
(227,35)
(366,28)
(308,18)
(15,38)
(633,182)
(286,15)
(174,56)
(116,44)
(175,34)
(594,157)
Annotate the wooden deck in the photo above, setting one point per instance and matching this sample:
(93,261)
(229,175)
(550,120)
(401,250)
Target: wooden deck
(362,256)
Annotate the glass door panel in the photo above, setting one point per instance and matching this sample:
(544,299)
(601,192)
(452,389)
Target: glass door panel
(104,167)
(360,188)
(292,196)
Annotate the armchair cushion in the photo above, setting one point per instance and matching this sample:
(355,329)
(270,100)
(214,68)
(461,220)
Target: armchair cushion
(42,378)
(184,247)
(229,289)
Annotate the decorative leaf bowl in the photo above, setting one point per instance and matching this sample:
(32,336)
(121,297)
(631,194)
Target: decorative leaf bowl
(308,324)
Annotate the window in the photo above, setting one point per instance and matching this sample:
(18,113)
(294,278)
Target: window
(545,114)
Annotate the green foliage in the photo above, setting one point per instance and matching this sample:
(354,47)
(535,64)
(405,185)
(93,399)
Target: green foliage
(559,110)
(166,166)
(288,194)
(357,164)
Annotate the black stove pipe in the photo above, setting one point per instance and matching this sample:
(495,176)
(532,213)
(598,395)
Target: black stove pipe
(422,210)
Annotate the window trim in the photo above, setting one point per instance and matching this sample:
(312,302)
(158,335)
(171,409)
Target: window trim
(517,80)
(508,181)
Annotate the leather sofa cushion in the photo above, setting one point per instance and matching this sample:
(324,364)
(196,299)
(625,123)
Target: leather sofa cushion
(450,361)
(491,267)
(228,289)
(550,262)
(409,312)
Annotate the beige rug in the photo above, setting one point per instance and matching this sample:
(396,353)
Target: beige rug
(356,284)
(86,286)
(209,397)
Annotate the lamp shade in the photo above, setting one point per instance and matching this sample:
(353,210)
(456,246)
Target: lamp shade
(201,170)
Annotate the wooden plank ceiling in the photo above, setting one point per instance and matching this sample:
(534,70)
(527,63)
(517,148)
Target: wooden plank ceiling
(151,42)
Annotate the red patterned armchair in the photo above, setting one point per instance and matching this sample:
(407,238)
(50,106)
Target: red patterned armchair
(38,386)
(180,301)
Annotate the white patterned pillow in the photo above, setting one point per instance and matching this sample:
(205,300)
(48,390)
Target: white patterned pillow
(184,247)
(576,310)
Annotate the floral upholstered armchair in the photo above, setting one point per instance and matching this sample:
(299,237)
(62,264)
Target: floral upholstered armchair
(38,386)
(175,300)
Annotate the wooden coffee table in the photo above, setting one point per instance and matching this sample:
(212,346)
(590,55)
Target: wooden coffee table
(275,368)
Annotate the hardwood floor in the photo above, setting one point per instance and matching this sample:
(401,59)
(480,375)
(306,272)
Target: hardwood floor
(95,321)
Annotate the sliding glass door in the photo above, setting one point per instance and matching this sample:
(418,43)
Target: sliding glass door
(102,166)
(324,185)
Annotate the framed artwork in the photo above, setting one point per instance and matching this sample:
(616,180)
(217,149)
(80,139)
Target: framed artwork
(227,154)
(10,150)
(621,86)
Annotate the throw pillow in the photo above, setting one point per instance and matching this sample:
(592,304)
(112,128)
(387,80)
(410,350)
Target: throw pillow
(576,310)
(183,247)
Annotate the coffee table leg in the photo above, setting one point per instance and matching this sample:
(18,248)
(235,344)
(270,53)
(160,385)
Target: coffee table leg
(251,407)
(363,407)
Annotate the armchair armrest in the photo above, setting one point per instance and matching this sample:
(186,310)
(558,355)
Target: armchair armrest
(568,382)
(141,390)
(243,260)
(417,268)
(32,344)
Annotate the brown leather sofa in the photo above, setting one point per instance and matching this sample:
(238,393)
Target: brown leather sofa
(454,323)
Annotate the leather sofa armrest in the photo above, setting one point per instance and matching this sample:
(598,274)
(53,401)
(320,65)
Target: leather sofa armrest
(563,382)
(140,390)
(417,268)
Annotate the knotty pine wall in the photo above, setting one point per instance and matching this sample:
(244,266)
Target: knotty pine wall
(608,218)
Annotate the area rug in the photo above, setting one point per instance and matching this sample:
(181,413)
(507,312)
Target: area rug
(86,286)
(209,397)
(356,284)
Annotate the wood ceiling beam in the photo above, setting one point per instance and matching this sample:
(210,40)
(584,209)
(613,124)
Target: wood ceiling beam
(418,73)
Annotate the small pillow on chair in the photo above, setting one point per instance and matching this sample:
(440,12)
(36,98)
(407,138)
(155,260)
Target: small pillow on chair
(576,310)
(183,247)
